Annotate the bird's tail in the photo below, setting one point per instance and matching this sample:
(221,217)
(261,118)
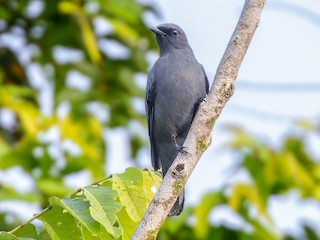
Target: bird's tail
(178,205)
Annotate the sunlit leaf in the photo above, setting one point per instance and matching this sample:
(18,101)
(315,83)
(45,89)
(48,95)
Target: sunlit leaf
(68,7)
(88,36)
(306,125)
(125,32)
(121,8)
(151,182)
(132,192)
(12,97)
(243,192)
(89,40)
(4,147)
(103,207)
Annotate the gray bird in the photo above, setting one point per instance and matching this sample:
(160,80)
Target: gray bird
(176,85)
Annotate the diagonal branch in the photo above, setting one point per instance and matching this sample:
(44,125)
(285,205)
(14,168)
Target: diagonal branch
(199,136)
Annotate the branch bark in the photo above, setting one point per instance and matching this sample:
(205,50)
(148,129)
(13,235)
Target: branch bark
(199,136)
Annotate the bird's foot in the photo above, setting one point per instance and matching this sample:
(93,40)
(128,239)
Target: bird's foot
(180,149)
(200,100)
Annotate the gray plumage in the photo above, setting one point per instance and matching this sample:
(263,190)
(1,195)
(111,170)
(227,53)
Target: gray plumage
(176,84)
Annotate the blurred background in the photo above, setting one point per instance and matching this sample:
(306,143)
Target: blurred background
(72,82)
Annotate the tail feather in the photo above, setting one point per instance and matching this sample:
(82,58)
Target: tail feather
(178,205)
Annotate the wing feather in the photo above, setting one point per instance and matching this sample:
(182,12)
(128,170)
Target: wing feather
(150,104)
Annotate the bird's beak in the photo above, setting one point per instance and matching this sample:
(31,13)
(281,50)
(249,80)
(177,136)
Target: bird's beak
(157,31)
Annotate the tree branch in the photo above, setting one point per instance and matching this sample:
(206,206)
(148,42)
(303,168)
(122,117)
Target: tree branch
(199,136)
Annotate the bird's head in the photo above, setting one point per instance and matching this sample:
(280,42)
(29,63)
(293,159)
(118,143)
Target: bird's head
(170,37)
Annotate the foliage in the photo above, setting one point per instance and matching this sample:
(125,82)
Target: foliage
(100,211)
(50,32)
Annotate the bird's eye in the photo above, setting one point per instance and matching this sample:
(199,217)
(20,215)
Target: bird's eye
(175,32)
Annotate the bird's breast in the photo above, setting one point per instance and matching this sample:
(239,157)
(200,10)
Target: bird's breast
(180,83)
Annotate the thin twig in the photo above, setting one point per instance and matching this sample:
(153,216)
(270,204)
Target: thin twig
(31,219)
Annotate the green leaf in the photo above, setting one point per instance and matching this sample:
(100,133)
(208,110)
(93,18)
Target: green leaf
(137,189)
(60,224)
(27,231)
(311,233)
(243,192)
(121,8)
(27,111)
(201,212)
(44,235)
(4,13)
(102,235)
(18,154)
(103,207)
(79,209)
(53,187)
(132,192)
(88,36)
(10,194)
(87,235)
(151,183)
(126,33)
(7,236)
(306,125)
(128,226)
(4,147)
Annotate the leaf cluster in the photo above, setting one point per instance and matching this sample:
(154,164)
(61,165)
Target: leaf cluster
(109,209)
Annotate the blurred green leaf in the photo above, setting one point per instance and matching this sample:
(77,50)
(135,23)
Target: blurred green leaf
(7,193)
(53,187)
(202,211)
(243,192)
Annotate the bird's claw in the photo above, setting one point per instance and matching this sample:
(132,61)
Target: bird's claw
(200,100)
(182,149)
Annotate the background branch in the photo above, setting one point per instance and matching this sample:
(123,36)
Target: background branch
(199,136)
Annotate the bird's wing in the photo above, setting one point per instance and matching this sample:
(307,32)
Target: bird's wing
(206,79)
(150,100)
